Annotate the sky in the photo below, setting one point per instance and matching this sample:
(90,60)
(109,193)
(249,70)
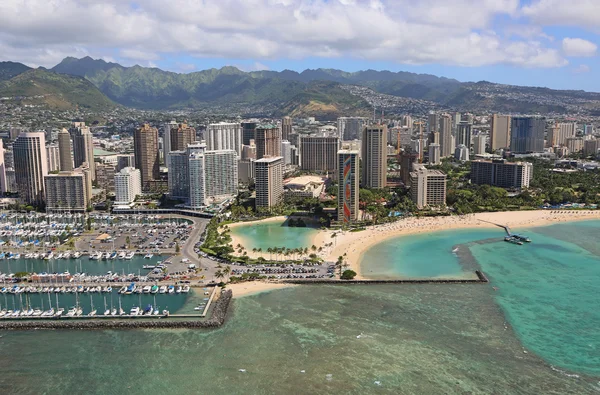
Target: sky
(552,43)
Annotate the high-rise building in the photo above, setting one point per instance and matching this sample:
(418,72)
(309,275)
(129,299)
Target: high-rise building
(560,132)
(407,160)
(249,151)
(31,166)
(4,187)
(286,152)
(446,146)
(224,136)
(83,146)
(126,160)
(128,185)
(197,180)
(319,154)
(145,145)
(574,144)
(588,130)
(463,134)
(53,157)
(64,151)
(527,134)
(479,144)
(9,159)
(166,141)
(181,136)
(269,181)
(268,141)
(461,153)
(221,174)
(427,187)
(374,156)
(179,185)
(105,176)
(433,123)
(67,191)
(348,186)
(286,128)
(500,132)
(351,128)
(501,173)
(248,132)
(591,147)
(434,154)
(246,171)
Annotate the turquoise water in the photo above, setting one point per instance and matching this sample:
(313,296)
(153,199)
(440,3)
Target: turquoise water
(274,234)
(414,339)
(391,339)
(550,291)
(88,266)
(426,255)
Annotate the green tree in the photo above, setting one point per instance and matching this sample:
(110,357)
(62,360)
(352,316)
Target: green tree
(348,275)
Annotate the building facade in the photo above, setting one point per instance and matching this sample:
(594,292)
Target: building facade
(318,154)
(348,186)
(105,176)
(179,183)
(435,157)
(197,180)
(500,131)
(224,136)
(53,157)
(64,151)
(501,173)
(67,191)
(268,181)
(351,128)
(479,144)
(31,166)
(181,136)
(286,128)
(83,146)
(591,147)
(374,156)
(145,145)
(221,175)
(427,187)
(268,141)
(445,130)
(128,185)
(527,134)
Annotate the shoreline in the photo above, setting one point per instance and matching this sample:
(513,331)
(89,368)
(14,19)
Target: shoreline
(250,288)
(355,244)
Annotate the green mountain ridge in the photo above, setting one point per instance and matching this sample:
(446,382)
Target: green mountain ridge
(57,91)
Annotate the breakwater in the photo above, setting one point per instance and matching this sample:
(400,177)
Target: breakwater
(481,278)
(217,318)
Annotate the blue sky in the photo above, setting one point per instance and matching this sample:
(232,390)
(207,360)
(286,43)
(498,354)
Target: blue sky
(549,43)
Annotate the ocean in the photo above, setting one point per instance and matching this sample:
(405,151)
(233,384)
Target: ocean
(536,334)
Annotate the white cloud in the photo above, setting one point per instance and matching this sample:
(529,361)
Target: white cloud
(579,13)
(458,32)
(581,69)
(578,47)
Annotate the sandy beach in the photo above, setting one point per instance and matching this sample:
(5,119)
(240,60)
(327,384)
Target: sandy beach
(255,287)
(355,244)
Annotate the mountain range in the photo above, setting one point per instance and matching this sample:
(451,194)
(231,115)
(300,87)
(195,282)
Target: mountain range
(96,84)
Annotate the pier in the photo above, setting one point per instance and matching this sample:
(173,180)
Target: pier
(481,279)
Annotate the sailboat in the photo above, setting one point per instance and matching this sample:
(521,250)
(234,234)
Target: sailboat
(106,310)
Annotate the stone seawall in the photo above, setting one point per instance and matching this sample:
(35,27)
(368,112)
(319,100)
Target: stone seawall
(481,278)
(217,318)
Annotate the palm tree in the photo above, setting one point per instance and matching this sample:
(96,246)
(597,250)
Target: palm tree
(254,250)
(227,270)
(219,274)
(270,251)
(313,248)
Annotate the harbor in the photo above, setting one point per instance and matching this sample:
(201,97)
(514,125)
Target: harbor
(79,302)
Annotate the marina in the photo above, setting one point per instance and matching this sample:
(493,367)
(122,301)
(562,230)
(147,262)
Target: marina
(100,303)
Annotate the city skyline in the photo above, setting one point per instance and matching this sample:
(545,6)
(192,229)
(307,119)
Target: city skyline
(506,41)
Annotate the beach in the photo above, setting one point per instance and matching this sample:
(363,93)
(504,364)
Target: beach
(355,244)
(254,287)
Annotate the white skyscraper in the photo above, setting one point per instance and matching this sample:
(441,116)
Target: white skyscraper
(53,157)
(167,140)
(221,174)
(31,166)
(3,182)
(224,136)
(350,128)
(197,180)
(434,154)
(286,152)
(128,185)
